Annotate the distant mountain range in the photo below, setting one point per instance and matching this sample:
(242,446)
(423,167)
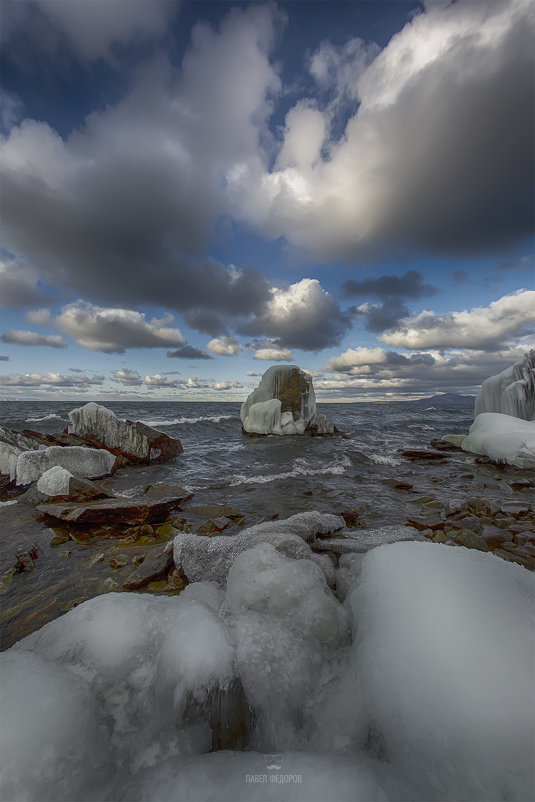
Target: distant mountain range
(447,399)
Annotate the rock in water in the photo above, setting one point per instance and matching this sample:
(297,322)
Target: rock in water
(511,392)
(138,442)
(284,403)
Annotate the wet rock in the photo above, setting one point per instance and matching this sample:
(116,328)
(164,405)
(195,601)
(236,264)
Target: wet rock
(420,455)
(420,524)
(5,580)
(397,484)
(154,567)
(469,523)
(445,445)
(440,537)
(25,560)
(213,526)
(107,585)
(525,562)
(525,537)
(136,442)
(494,537)
(216,511)
(470,540)
(127,511)
(70,605)
(119,561)
(521,484)
(177,581)
(60,536)
(352,519)
(164,490)
(422,499)
(96,558)
(64,554)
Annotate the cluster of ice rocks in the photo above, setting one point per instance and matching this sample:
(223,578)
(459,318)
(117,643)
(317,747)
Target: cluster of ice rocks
(284,403)
(96,443)
(504,425)
(396,694)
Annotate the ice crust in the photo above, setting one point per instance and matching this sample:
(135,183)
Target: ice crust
(419,687)
(502,437)
(79,460)
(96,421)
(54,482)
(210,558)
(511,392)
(262,412)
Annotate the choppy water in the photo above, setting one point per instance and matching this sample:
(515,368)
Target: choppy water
(264,478)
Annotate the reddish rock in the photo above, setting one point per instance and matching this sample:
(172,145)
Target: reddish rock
(416,455)
(126,511)
(494,537)
(432,522)
(154,566)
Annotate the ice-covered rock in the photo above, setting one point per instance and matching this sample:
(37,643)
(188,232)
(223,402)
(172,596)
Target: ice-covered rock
(502,437)
(136,441)
(12,444)
(283,403)
(444,660)
(210,558)
(79,460)
(55,482)
(511,392)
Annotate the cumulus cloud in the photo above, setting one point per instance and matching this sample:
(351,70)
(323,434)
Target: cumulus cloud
(130,378)
(425,161)
(484,327)
(224,346)
(160,380)
(363,371)
(32,338)
(270,351)
(302,315)
(226,385)
(113,330)
(80,380)
(122,209)
(188,352)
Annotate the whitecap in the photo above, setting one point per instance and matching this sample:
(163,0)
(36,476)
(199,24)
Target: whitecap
(50,416)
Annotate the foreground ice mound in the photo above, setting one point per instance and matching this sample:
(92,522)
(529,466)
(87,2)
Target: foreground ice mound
(445,653)
(283,403)
(511,392)
(79,460)
(502,437)
(119,698)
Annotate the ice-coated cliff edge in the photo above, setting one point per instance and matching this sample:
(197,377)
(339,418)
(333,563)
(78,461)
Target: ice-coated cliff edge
(511,392)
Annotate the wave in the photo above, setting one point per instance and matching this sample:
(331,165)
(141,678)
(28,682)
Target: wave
(383,459)
(50,416)
(301,467)
(178,421)
(422,426)
(8,503)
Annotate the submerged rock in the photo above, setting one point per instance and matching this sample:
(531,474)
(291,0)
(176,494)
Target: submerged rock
(126,511)
(137,442)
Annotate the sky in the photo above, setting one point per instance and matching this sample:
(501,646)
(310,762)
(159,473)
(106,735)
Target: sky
(192,192)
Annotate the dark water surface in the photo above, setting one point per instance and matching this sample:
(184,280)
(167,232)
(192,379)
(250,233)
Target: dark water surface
(263,477)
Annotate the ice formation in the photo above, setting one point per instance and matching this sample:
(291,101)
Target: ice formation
(210,558)
(79,460)
(432,699)
(12,444)
(511,392)
(137,440)
(283,403)
(54,482)
(502,437)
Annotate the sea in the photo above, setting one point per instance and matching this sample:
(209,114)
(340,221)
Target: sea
(265,478)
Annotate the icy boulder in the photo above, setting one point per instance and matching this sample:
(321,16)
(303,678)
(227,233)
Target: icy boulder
(137,442)
(283,403)
(502,437)
(445,659)
(511,392)
(12,444)
(79,460)
(210,558)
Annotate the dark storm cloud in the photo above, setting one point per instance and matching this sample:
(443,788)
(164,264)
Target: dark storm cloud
(19,284)
(410,285)
(188,352)
(4,358)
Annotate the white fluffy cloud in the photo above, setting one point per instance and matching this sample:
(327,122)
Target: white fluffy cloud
(130,378)
(273,354)
(159,380)
(224,346)
(355,357)
(113,330)
(80,380)
(482,327)
(424,162)
(32,338)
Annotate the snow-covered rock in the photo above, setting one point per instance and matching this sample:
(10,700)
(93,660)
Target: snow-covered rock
(283,403)
(210,558)
(136,441)
(55,482)
(502,437)
(79,460)
(12,444)
(511,392)
(444,660)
